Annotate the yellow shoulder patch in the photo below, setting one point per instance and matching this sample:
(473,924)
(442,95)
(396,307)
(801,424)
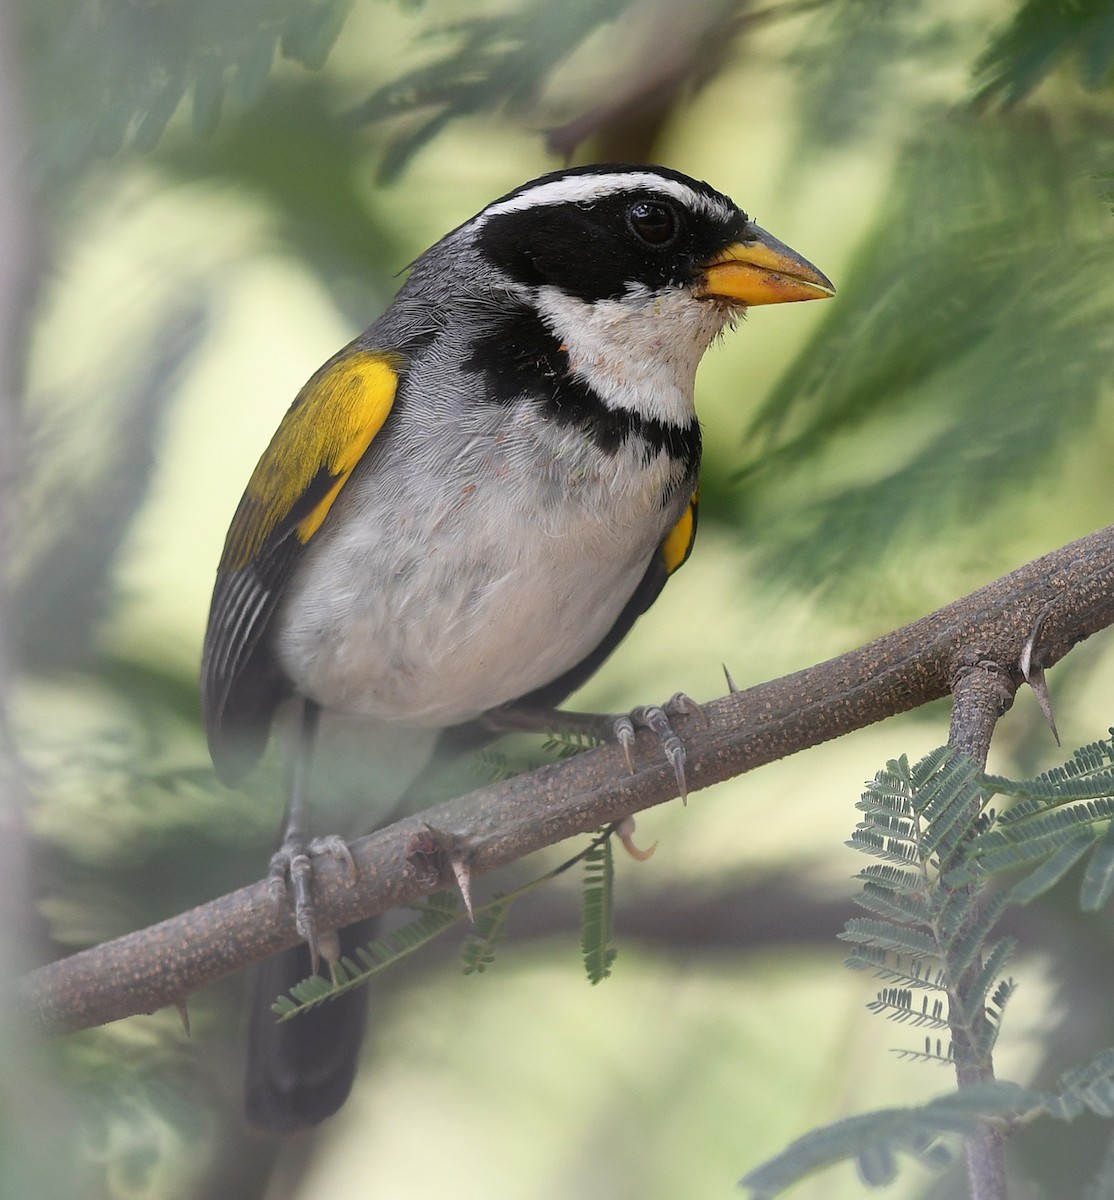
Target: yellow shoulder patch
(325,433)
(677,543)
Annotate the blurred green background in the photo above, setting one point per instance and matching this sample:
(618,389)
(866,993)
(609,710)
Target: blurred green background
(212,197)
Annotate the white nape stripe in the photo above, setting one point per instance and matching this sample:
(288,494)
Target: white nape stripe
(582,189)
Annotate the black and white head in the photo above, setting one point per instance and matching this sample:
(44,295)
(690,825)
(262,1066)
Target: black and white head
(629,233)
(634,270)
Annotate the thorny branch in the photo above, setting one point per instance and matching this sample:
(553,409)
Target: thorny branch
(1069,592)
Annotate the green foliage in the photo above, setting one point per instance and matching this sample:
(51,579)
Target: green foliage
(438,913)
(851,54)
(1041,35)
(967,356)
(935,901)
(490,64)
(441,911)
(493,765)
(928,1132)
(1060,816)
(957,327)
(490,928)
(309,170)
(924,935)
(116,72)
(96,457)
(596,924)
(568,743)
(874,1141)
(1088,774)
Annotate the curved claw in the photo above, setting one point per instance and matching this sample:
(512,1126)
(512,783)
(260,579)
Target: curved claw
(655,719)
(336,847)
(682,705)
(623,729)
(624,831)
(293,861)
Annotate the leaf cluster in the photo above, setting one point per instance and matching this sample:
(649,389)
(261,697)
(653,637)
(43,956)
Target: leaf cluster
(489,64)
(929,1132)
(1041,36)
(113,72)
(925,936)
(947,867)
(960,362)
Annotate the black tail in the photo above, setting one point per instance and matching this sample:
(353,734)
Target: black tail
(300,1072)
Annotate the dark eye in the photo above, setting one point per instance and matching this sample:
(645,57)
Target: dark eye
(654,223)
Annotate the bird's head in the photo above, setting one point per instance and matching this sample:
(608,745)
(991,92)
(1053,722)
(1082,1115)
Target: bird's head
(632,271)
(607,233)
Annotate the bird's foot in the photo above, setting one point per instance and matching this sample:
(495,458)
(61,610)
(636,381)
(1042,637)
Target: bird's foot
(293,861)
(656,719)
(517,718)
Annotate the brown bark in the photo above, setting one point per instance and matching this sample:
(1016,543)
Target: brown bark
(1065,596)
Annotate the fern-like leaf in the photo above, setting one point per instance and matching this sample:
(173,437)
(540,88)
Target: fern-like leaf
(949,804)
(909,973)
(864,931)
(597,910)
(568,743)
(898,852)
(998,850)
(874,1140)
(938,1053)
(898,879)
(962,950)
(488,931)
(987,1034)
(925,768)
(1088,774)
(1098,878)
(1086,1087)
(1053,869)
(435,918)
(896,1004)
(913,908)
(994,963)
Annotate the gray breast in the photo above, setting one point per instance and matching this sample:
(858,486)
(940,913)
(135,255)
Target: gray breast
(476,554)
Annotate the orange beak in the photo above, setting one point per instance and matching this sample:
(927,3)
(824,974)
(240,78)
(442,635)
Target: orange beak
(761,270)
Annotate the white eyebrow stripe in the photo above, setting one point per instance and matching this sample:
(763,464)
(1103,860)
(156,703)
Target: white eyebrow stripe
(581,189)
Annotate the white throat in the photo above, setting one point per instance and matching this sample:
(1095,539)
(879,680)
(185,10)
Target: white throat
(639,353)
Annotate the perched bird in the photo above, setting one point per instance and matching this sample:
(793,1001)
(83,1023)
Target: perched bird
(466,509)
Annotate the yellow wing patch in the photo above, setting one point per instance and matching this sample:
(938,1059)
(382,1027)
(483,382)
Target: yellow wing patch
(325,433)
(677,544)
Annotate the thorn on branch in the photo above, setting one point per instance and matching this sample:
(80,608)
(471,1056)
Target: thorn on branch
(1033,670)
(459,864)
(434,850)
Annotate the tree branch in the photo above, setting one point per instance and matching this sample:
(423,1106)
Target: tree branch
(1066,596)
(980,696)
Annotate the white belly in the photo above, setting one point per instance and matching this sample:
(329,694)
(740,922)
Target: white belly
(427,602)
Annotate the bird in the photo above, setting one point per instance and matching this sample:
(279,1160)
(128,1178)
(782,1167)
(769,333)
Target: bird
(464,512)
